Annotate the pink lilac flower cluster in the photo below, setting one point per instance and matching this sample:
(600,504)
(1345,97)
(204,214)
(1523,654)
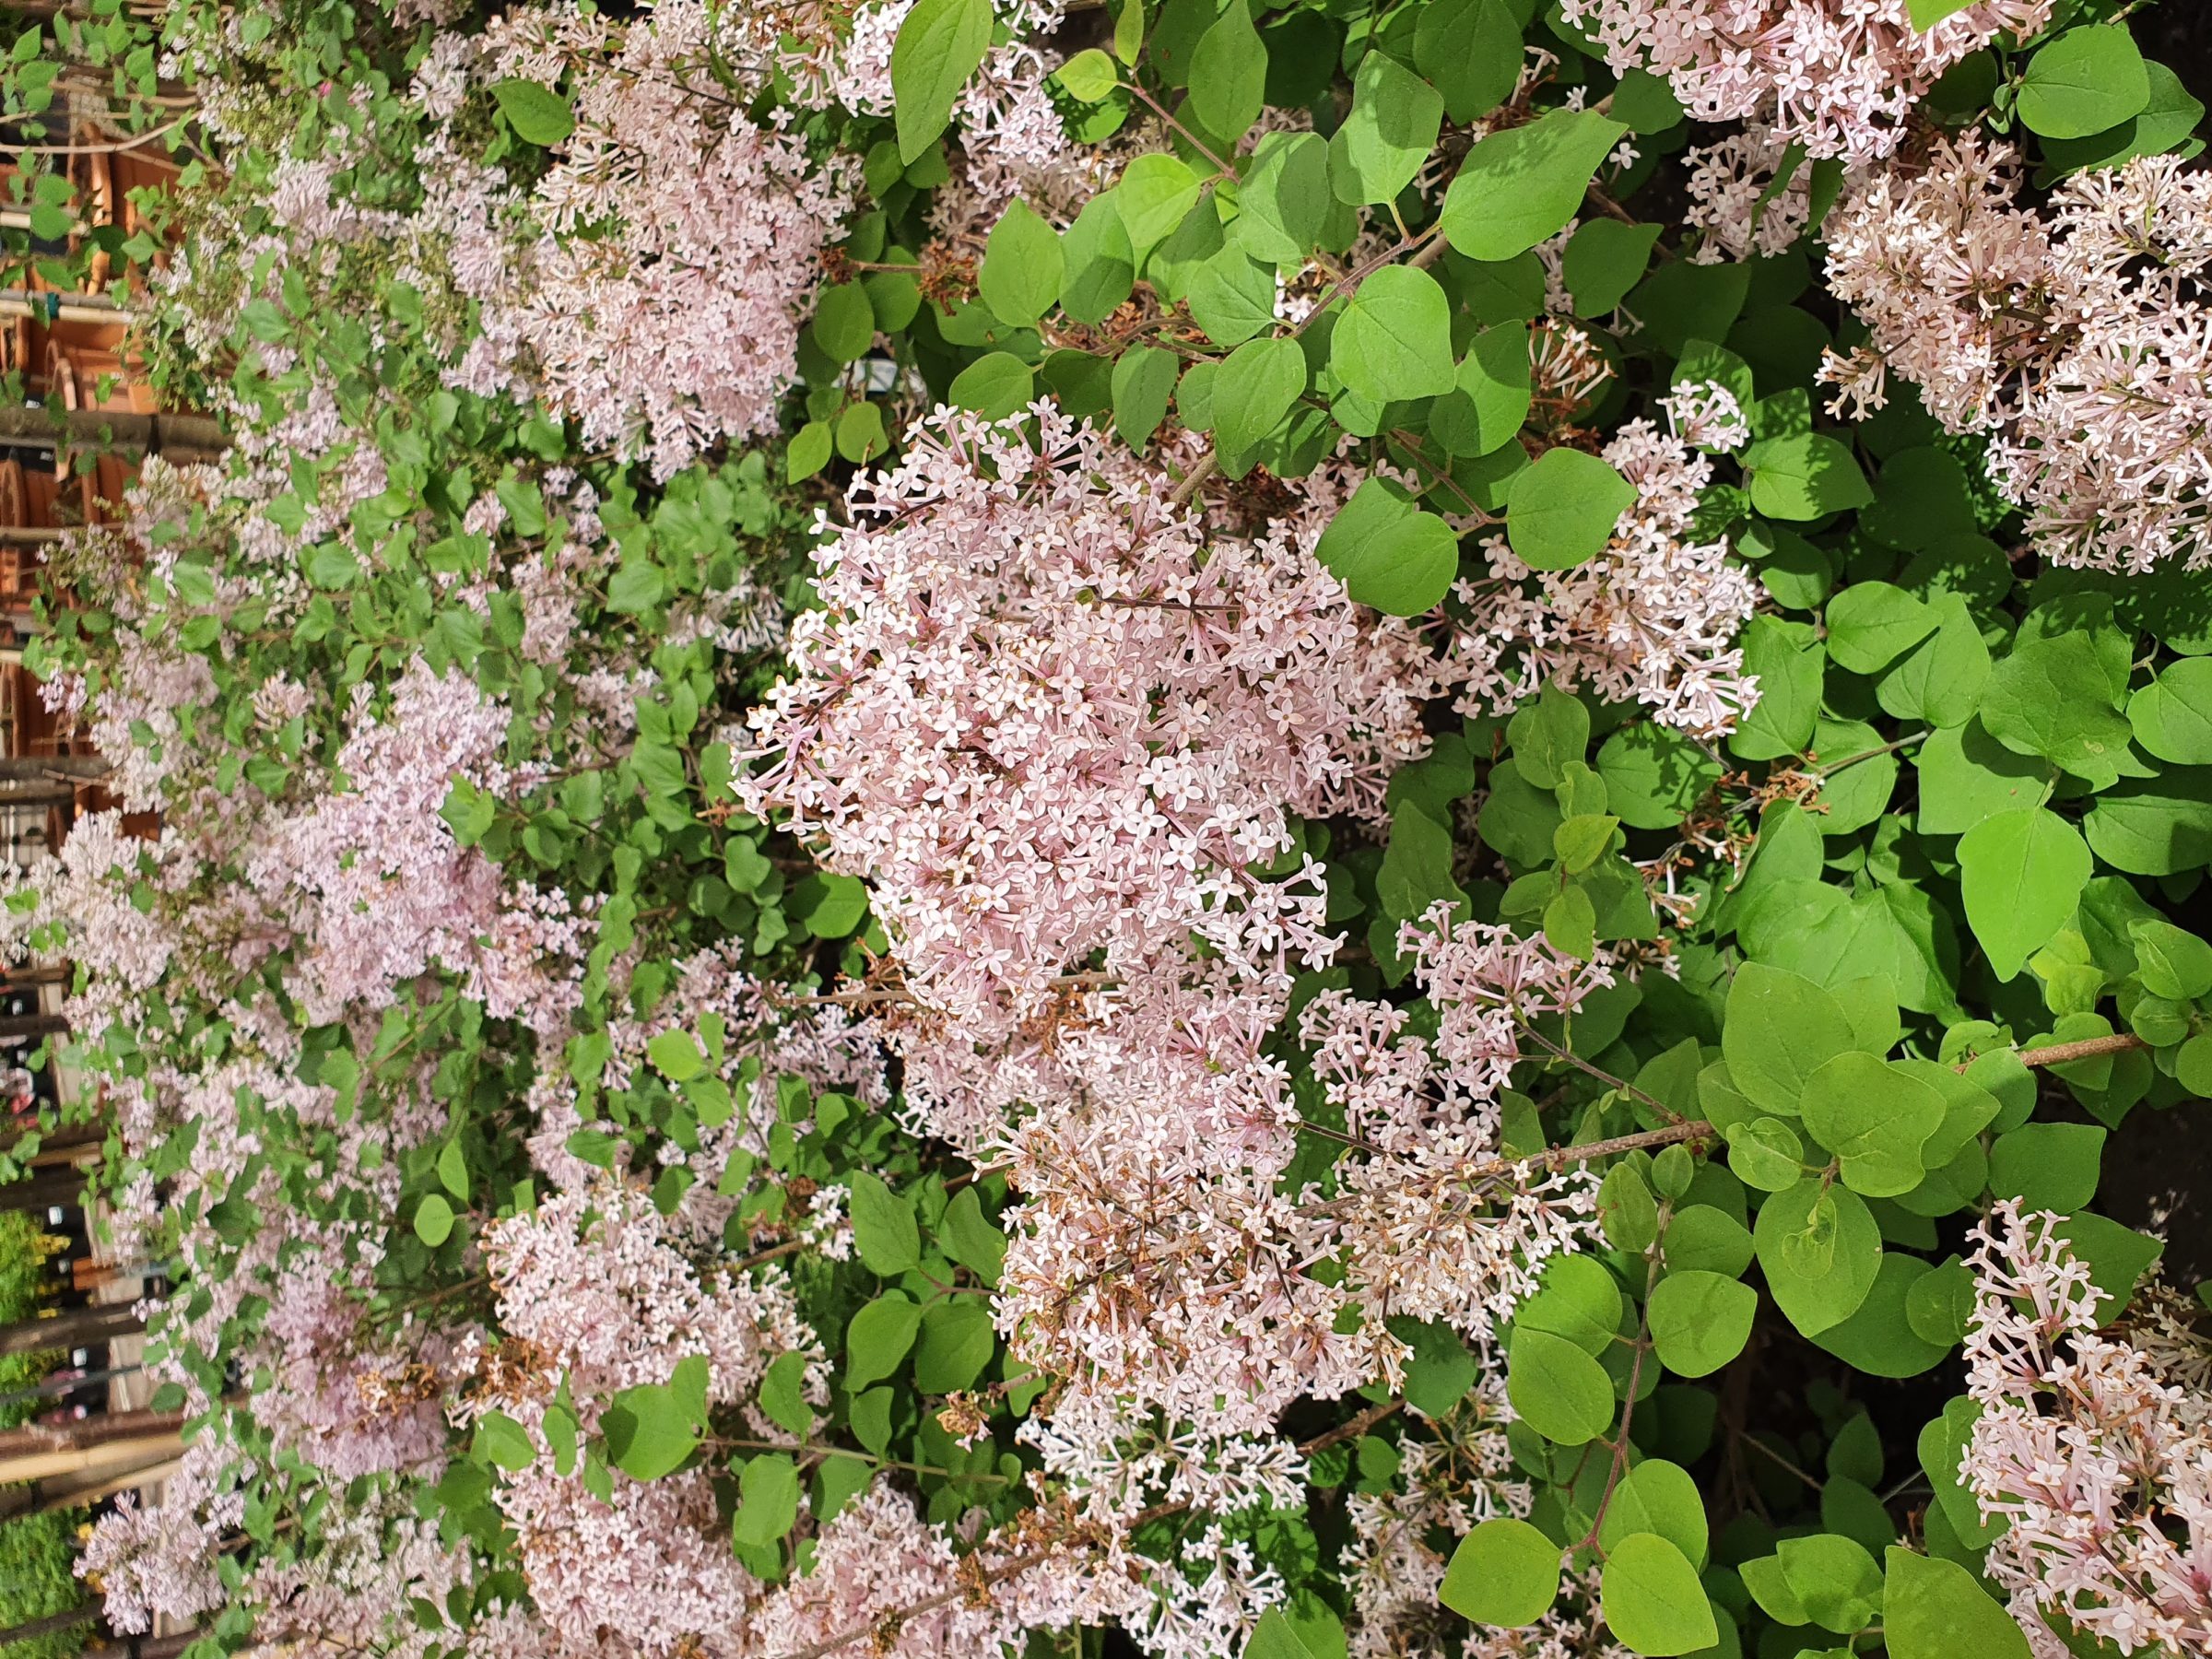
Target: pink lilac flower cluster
(1937,260)
(661,305)
(1453,1477)
(875,1557)
(161,1563)
(1434,1223)
(286,1304)
(1838,77)
(1049,718)
(1156,1261)
(591,1290)
(2093,1445)
(1653,620)
(591,1280)
(371,879)
(881,1576)
(2080,340)
(364,1586)
(366,847)
(1734,201)
(1112,1459)
(1055,718)
(324,1387)
(1010,140)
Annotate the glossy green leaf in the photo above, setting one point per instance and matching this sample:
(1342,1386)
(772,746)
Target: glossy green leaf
(1389,134)
(1654,774)
(1653,1601)
(878,1338)
(2052,697)
(1388,553)
(1875,1117)
(1022,267)
(1561,511)
(1156,191)
(808,452)
(2172,962)
(940,44)
(1274,1637)
(1820,1250)
(1577,1298)
(1521,186)
(1285,197)
(844,322)
(1658,1497)
(2172,716)
(2086,80)
(1940,679)
(1470,50)
(2020,874)
(1789,662)
(1834,1580)
(2047,1166)
(957,1344)
(1394,340)
(1703,1237)
(1144,382)
(1807,476)
(433,1220)
(1254,389)
(1556,1388)
(538,114)
(1935,1609)
(1877,1337)
(994,387)
(1966,776)
(1491,398)
(767,1501)
(1700,1321)
(1603,260)
(1503,1572)
(674,1054)
(883,1226)
(1231,297)
(653,1430)
(1229,74)
(782,1394)
(1101,264)
(1871,624)
(1547,734)
(1088,75)
(2160,827)
(2165,122)
(504,1442)
(1780,1028)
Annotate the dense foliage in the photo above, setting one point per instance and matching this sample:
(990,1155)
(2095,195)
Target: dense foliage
(27,1253)
(38,1578)
(1260,828)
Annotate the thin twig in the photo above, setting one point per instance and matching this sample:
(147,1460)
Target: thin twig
(2088,1048)
(100,149)
(1888,748)
(770,1254)
(1767,1451)
(1634,1093)
(1204,469)
(1627,1410)
(798,1449)
(2063,1053)
(1019,1564)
